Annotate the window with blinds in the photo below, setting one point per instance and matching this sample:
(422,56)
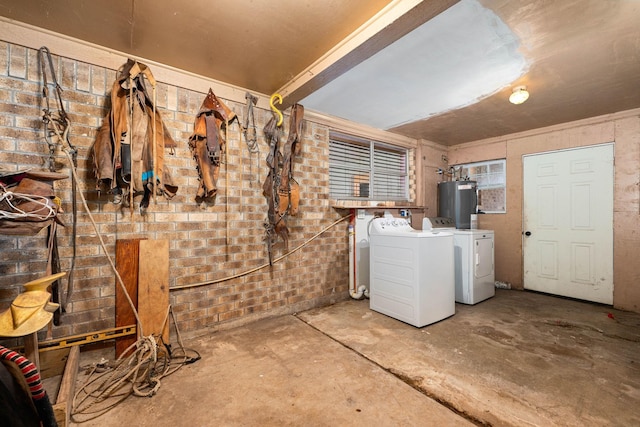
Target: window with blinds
(361,169)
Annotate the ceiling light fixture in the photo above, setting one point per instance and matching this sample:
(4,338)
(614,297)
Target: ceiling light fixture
(519,95)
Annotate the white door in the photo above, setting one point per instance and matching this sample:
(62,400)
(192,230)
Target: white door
(568,223)
(483,257)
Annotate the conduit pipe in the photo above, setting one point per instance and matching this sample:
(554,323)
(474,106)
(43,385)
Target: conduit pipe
(355,291)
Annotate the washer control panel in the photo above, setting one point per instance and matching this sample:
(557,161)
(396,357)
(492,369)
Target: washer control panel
(391,225)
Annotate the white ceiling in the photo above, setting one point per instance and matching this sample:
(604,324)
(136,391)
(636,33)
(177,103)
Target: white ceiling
(373,61)
(457,58)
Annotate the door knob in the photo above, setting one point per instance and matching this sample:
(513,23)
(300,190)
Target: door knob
(527,233)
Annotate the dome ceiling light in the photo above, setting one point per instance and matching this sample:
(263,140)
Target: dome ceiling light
(519,95)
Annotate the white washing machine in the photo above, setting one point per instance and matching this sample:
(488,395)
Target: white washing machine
(411,272)
(474,260)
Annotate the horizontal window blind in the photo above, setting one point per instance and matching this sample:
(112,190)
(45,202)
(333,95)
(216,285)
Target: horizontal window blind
(366,170)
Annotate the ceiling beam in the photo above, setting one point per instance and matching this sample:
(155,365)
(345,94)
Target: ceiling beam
(397,19)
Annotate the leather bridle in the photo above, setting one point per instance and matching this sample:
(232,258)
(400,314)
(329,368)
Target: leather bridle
(56,131)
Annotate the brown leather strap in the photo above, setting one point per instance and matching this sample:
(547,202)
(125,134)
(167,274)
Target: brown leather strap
(290,147)
(213,139)
(58,124)
(294,195)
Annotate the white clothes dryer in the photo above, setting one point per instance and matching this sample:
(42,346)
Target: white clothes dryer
(474,260)
(474,266)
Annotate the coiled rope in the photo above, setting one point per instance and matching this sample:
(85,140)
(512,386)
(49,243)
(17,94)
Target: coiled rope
(47,207)
(139,374)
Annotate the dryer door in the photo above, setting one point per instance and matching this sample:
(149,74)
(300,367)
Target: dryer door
(483,254)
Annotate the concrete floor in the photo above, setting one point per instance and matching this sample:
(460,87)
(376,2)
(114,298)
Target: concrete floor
(518,359)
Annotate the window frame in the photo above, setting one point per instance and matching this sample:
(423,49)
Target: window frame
(380,167)
(464,171)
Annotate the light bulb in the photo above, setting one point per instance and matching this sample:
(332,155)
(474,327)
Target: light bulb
(519,95)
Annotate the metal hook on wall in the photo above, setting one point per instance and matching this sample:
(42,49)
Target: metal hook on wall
(278,97)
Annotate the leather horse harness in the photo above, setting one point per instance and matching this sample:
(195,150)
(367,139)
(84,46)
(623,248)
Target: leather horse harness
(280,189)
(208,144)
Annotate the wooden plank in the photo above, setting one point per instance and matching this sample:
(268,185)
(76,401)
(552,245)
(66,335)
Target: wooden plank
(127,261)
(153,287)
(62,408)
(52,362)
(31,349)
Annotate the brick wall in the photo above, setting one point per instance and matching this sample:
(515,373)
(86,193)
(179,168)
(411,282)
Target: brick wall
(207,242)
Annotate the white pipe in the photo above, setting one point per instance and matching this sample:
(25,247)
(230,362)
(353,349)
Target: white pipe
(360,293)
(352,267)
(356,293)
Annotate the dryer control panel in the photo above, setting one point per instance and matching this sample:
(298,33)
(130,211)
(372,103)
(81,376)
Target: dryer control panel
(437,222)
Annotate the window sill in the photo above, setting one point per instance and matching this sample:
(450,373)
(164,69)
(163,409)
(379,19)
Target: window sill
(370,204)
